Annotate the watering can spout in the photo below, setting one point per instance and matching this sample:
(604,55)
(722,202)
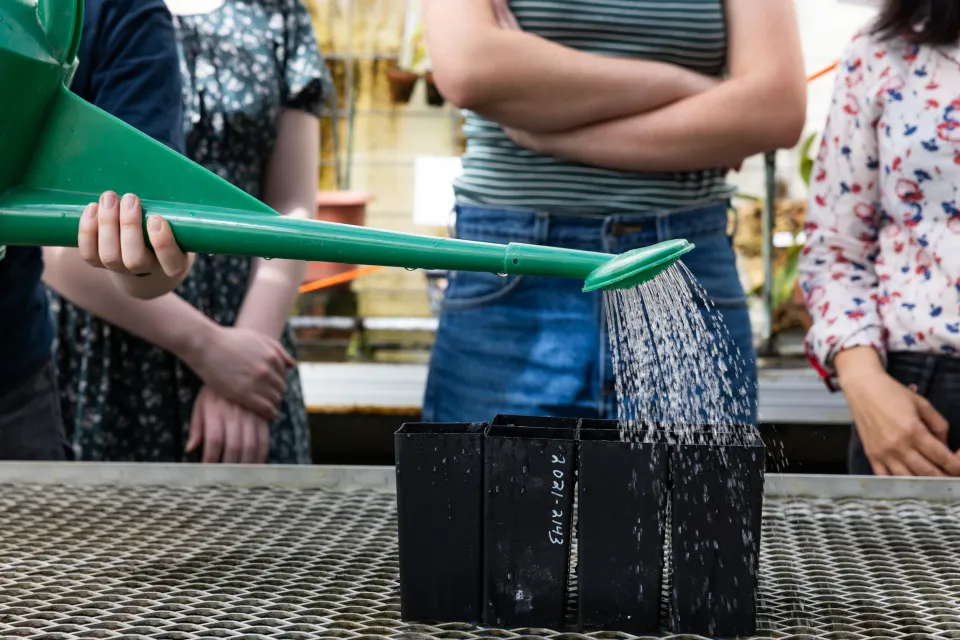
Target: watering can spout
(61,152)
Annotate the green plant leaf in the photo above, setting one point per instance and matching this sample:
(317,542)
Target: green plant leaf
(785,278)
(806,160)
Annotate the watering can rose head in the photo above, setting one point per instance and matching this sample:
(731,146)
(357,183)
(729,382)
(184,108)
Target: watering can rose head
(637,266)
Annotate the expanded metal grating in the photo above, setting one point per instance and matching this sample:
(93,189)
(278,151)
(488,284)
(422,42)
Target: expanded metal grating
(184,563)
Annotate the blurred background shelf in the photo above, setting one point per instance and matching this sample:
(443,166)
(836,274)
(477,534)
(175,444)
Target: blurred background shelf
(355,408)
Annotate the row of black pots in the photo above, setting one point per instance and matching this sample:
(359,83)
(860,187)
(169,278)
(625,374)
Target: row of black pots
(485,526)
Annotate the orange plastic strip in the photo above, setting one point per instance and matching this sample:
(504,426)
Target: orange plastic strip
(823,72)
(332,281)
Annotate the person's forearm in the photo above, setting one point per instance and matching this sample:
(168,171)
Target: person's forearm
(274,286)
(719,128)
(167,321)
(523,81)
(290,188)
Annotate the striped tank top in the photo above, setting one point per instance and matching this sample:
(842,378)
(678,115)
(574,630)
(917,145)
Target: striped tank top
(688,33)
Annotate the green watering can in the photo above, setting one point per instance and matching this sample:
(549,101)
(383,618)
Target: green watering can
(58,153)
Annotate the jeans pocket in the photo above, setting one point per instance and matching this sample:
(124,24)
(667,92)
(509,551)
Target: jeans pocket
(470,290)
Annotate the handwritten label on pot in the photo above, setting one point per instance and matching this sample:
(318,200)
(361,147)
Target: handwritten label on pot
(556,533)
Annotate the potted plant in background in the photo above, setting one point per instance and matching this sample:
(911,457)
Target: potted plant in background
(788,310)
(403,78)
(343,207)
(434,97)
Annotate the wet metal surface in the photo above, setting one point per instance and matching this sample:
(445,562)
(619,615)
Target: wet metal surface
(116,560)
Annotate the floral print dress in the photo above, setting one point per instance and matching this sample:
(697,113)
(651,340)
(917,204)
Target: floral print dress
(123,398)
(881,267)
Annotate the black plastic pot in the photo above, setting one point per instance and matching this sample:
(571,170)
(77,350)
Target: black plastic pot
(439,518)
(540,422)
(717,500)
(620,530)
(528,500)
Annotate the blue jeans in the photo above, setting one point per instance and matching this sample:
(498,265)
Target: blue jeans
(539,346)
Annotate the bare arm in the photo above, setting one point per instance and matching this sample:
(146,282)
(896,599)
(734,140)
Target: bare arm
(521,80)
(761,107)
(291,189)
(167,321)
(244,366)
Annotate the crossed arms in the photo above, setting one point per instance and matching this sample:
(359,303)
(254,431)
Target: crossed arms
(625,114)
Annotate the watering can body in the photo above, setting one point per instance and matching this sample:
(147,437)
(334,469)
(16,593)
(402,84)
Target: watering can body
(60,153)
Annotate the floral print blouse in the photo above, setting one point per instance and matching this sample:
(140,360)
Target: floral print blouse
(881,267)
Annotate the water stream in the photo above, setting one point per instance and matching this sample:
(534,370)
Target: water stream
(679,379)
(675,367)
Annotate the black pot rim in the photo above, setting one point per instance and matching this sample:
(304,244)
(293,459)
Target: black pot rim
(538,422)
(442,428)
(512,432)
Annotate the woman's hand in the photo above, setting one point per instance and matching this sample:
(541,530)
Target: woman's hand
(505,17)
(902,434)
(111,237)
(227,432)
(243,366)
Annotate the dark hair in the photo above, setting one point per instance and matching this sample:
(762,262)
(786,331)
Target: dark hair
(929,22)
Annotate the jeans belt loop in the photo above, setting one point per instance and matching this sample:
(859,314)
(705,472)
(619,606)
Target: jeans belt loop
(663,226)
(541,227)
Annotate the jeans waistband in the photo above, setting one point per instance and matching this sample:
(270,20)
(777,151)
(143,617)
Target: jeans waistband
(692,221)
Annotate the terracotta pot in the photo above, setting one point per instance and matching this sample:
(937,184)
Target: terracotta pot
(344,207)
(402,84)
(434,97)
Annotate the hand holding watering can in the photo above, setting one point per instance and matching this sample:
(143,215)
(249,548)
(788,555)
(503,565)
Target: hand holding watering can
(111,237)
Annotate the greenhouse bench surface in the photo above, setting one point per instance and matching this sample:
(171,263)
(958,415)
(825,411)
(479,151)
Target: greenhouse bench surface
(110,551)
